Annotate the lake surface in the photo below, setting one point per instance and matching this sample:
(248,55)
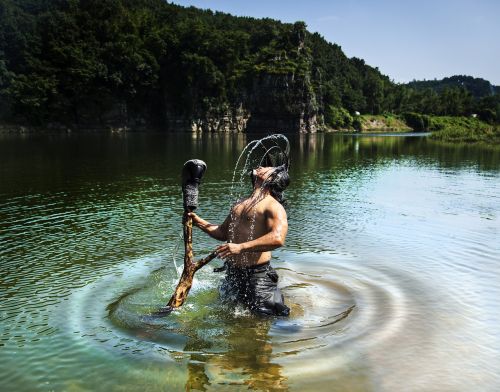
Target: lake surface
(400,230)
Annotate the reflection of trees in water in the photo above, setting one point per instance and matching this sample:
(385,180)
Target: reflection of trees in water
(314,151)
(246,361)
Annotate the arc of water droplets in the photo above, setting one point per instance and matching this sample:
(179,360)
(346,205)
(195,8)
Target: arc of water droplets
(174,252)
(237,163)
(255,144)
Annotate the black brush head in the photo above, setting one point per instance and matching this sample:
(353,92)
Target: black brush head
(192,173)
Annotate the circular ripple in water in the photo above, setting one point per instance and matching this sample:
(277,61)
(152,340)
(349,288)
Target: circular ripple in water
(337,312)
(350,321)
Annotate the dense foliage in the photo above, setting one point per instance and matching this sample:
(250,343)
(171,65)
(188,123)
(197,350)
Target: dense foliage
(478,87)
(78,62)
(464,130)
(454,96)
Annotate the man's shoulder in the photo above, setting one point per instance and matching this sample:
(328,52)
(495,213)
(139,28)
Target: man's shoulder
(272,205)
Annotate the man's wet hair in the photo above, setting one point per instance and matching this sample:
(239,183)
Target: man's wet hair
(279,179)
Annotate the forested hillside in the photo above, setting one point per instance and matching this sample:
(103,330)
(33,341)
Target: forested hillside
(479,88)
(143,63)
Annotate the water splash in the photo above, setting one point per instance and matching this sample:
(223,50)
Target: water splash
(175,251)
(255,157)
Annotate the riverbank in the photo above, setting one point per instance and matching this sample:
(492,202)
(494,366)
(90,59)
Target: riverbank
(464,130)
(468,130)
(383,123)
(444,128)
(16,129)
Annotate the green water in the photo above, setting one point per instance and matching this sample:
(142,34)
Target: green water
(402,229)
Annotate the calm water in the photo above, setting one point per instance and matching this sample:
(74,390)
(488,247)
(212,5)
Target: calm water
(403,231)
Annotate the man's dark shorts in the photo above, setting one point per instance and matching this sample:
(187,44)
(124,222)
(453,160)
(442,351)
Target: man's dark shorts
(256,287)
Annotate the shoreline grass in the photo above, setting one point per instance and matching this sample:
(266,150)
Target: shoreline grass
(463,130)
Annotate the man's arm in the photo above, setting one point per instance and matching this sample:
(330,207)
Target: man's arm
(277,223)
(219,232)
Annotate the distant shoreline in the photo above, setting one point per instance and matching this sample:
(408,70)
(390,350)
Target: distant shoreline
(468,130)
(14,129)
(448,129)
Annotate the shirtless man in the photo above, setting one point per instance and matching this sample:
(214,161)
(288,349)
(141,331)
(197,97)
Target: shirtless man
(254,227)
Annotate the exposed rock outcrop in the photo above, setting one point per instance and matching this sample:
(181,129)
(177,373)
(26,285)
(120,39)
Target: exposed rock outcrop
(274,99)
(228,119)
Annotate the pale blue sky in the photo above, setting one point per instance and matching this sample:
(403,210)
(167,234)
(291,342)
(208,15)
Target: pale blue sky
(405,39)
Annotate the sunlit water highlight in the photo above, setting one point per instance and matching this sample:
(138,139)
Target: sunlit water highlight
(391,268)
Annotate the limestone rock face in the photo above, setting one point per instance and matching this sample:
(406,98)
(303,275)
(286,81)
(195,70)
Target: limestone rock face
(274,97)
(227,119)
(272,103)
(267,110)
(282,103)
(230,120)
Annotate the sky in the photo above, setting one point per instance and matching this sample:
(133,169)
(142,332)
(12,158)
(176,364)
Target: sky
(406,40)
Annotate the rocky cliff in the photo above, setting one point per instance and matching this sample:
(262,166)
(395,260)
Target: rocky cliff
(272,99)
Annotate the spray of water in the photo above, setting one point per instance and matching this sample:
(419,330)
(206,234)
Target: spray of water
(254,153)
(175,251)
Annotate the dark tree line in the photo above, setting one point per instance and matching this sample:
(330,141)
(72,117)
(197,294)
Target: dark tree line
(455,96)
(72,60)
(478,87)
